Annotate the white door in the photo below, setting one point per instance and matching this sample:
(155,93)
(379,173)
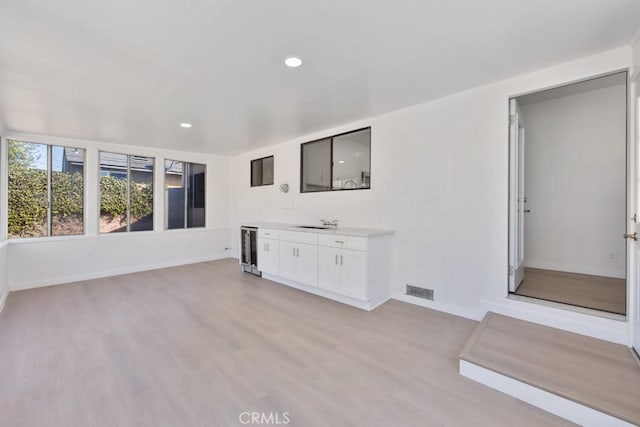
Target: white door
(288,260)
(353,273)
(268,256)
(328,269)
(307,257)
(516,196)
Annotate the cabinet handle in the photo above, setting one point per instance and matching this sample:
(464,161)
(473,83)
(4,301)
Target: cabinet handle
(298,253)
(264,246)
(339,241)
(294,252)
(340,259)
(336,259)
(268,248)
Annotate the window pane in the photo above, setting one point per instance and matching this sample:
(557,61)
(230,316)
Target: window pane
(267,171)
(113,192)
(256,172)
(174,194)
(141,193)
(67,191)
(316,166)
(352,160)
(27,190)
(196,195)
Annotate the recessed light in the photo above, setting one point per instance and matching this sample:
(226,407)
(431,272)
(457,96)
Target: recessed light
(185,125)
(341,161)
(293,62)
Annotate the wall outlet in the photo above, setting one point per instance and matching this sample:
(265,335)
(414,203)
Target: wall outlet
(613,257)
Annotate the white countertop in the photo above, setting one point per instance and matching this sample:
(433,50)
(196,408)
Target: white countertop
(344,231)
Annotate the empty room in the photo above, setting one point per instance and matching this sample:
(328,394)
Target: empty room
(319,213)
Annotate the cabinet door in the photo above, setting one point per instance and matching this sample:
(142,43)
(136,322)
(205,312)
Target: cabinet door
(288,260)
(353,273)
(307,256)
(328,269)
(268,255)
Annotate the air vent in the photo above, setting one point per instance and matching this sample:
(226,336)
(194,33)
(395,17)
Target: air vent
(415,291)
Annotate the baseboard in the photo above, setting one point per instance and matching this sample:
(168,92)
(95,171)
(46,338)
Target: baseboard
(3,299)
(364,305)
(374,306)
(456,311)
(109,273)
(557,405)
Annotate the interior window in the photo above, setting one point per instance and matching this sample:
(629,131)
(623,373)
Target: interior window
(341,162)
(262,171)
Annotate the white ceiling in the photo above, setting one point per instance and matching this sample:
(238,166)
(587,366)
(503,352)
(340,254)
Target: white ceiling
(129,71)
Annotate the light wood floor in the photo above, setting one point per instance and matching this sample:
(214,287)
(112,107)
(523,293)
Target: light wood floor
(197,345)
(595,373)
(596,292)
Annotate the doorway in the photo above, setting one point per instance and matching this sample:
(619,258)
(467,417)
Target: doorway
(567,194)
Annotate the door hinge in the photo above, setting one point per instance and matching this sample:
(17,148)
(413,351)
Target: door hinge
(635,217)
(512,119)
(510,270)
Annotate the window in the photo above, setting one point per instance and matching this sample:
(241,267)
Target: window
(262,171)
(46,190)
(126,193)
(340,162)
(184,194)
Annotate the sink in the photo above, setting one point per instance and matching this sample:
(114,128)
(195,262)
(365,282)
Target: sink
(315,227)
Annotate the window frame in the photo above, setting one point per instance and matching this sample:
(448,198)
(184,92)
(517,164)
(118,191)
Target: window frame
(261,160)
(49,173)
(128,179)
(185,177)
(331,138)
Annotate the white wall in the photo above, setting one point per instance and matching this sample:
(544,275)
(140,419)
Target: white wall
(439,179)
(4,284)
(575,158)
(44,261)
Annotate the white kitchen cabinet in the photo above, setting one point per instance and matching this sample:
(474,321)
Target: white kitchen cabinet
(353,273)
(299,262)
(268,255)
(343,271)
(352,267)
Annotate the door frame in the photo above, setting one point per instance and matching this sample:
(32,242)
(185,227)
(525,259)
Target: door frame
(516,195)
(632,186)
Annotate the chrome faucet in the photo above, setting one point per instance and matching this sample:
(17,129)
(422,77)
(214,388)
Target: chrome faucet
(332,223)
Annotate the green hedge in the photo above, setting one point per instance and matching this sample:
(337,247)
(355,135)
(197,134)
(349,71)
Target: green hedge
(28,198)
(113,198)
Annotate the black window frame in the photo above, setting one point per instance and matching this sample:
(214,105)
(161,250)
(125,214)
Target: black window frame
(331,161)
(261,160)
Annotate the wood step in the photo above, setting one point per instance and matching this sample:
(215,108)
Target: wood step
(594,373)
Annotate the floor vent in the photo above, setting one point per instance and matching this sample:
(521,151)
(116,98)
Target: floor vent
(415,291)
